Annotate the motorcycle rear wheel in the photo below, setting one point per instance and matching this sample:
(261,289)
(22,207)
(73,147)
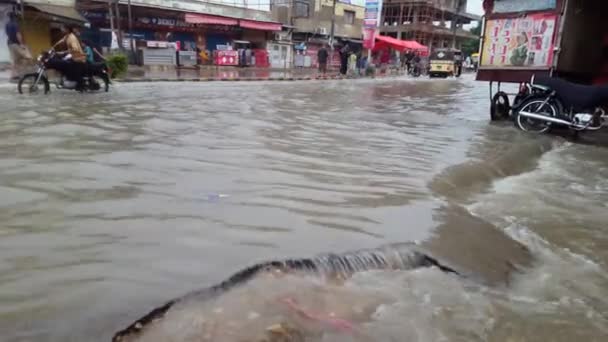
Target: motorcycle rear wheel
(539,106)
(103,81)
(27,84)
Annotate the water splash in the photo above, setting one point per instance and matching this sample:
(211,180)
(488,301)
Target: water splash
(406,256)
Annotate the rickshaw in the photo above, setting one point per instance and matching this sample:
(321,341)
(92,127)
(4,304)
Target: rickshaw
(445,63)
(523,41)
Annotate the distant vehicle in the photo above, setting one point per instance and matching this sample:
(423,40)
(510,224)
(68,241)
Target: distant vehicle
(445,63)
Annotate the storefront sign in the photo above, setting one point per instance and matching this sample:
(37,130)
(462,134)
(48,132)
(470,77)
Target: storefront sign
(227,57)
(369,38)
(360,3)
(372,13)
(506,6)
(519,42)
(163,22)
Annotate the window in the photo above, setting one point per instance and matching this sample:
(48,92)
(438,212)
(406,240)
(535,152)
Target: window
(301,9)
(349,17)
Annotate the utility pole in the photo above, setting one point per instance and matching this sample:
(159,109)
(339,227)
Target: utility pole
(333,25)
(130,18)
(332,32)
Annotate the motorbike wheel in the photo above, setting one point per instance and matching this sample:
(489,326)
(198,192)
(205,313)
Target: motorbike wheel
(538,106)
(27,84)
(500,107)
(102,83)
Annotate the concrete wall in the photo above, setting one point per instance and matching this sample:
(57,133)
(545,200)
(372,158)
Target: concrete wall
(36,32)
(320,17)
(4,54)
(246,9)
(68,3)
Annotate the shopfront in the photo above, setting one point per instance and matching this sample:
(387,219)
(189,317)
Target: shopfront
(202,34)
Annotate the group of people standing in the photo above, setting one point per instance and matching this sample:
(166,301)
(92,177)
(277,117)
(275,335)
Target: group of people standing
(351,62)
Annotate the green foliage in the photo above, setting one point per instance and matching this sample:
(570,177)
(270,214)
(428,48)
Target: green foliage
(370,70)
(118,63)
(471,46)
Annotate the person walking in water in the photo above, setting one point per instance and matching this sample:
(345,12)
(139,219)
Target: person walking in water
(322,56)
(20,55)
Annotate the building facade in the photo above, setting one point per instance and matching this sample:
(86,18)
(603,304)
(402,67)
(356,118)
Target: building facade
(310,25)
(196,28)
(40,21)
(434,23)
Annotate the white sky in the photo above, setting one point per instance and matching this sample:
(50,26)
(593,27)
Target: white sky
(474,6)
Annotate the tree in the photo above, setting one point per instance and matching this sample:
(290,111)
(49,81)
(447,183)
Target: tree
(471,46)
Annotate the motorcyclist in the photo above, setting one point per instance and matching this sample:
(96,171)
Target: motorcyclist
(76,54)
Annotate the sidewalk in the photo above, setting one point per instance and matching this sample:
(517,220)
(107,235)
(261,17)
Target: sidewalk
(169,74)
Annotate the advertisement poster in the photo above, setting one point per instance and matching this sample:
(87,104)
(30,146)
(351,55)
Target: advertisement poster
(372,13)
(519,42)
(506,6)
(369,38)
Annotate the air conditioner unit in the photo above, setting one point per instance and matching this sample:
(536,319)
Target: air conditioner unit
(322,30)
(281,36)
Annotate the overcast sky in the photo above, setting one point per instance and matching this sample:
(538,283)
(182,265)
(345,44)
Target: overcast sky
(474,6)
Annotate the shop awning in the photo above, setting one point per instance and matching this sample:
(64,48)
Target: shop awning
(62,12)
(194,18)
(383,42)
(260,25)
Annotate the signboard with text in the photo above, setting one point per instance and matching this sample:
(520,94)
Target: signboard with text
(372,13)
(507,6)
(525,42)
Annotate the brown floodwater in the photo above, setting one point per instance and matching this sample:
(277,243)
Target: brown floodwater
(112,204)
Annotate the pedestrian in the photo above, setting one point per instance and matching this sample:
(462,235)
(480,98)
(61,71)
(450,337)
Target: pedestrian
(352,64)
(248,54)
(344,53)
(322,56)
(91,52)
(20,54)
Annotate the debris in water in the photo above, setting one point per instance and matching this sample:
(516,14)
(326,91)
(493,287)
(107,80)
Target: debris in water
(330,320)
(283,332)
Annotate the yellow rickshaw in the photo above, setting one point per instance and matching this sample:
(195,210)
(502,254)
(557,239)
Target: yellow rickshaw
(445,63)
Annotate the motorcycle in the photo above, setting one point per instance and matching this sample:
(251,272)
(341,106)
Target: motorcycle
(415,70)
(555,102)
(96,75)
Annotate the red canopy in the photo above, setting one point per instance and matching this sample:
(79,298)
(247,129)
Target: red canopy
(195,18)
(260,25)
(383,42)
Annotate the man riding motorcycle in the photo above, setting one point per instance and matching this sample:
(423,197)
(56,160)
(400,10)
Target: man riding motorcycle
(75,55)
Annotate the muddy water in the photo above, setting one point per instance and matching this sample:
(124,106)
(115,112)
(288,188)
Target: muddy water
(115,203)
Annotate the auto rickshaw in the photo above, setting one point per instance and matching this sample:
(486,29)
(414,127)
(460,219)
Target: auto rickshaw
(445,63)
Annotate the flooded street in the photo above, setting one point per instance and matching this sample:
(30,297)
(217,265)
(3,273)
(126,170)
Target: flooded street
(114,203)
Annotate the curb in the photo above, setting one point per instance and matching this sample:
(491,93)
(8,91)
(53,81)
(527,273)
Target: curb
(250,79)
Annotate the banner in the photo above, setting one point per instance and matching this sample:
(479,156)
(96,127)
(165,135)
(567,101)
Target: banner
(369,38)
(519,42)
(372,13)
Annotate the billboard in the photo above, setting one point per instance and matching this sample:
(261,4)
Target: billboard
(507,6)
(360,3)
(525,42)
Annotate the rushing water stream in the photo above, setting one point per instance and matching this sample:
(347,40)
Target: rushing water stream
(115,203)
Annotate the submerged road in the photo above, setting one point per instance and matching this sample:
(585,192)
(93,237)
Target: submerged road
(113,203)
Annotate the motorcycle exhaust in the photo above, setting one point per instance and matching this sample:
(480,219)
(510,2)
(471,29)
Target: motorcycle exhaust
(550,119)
